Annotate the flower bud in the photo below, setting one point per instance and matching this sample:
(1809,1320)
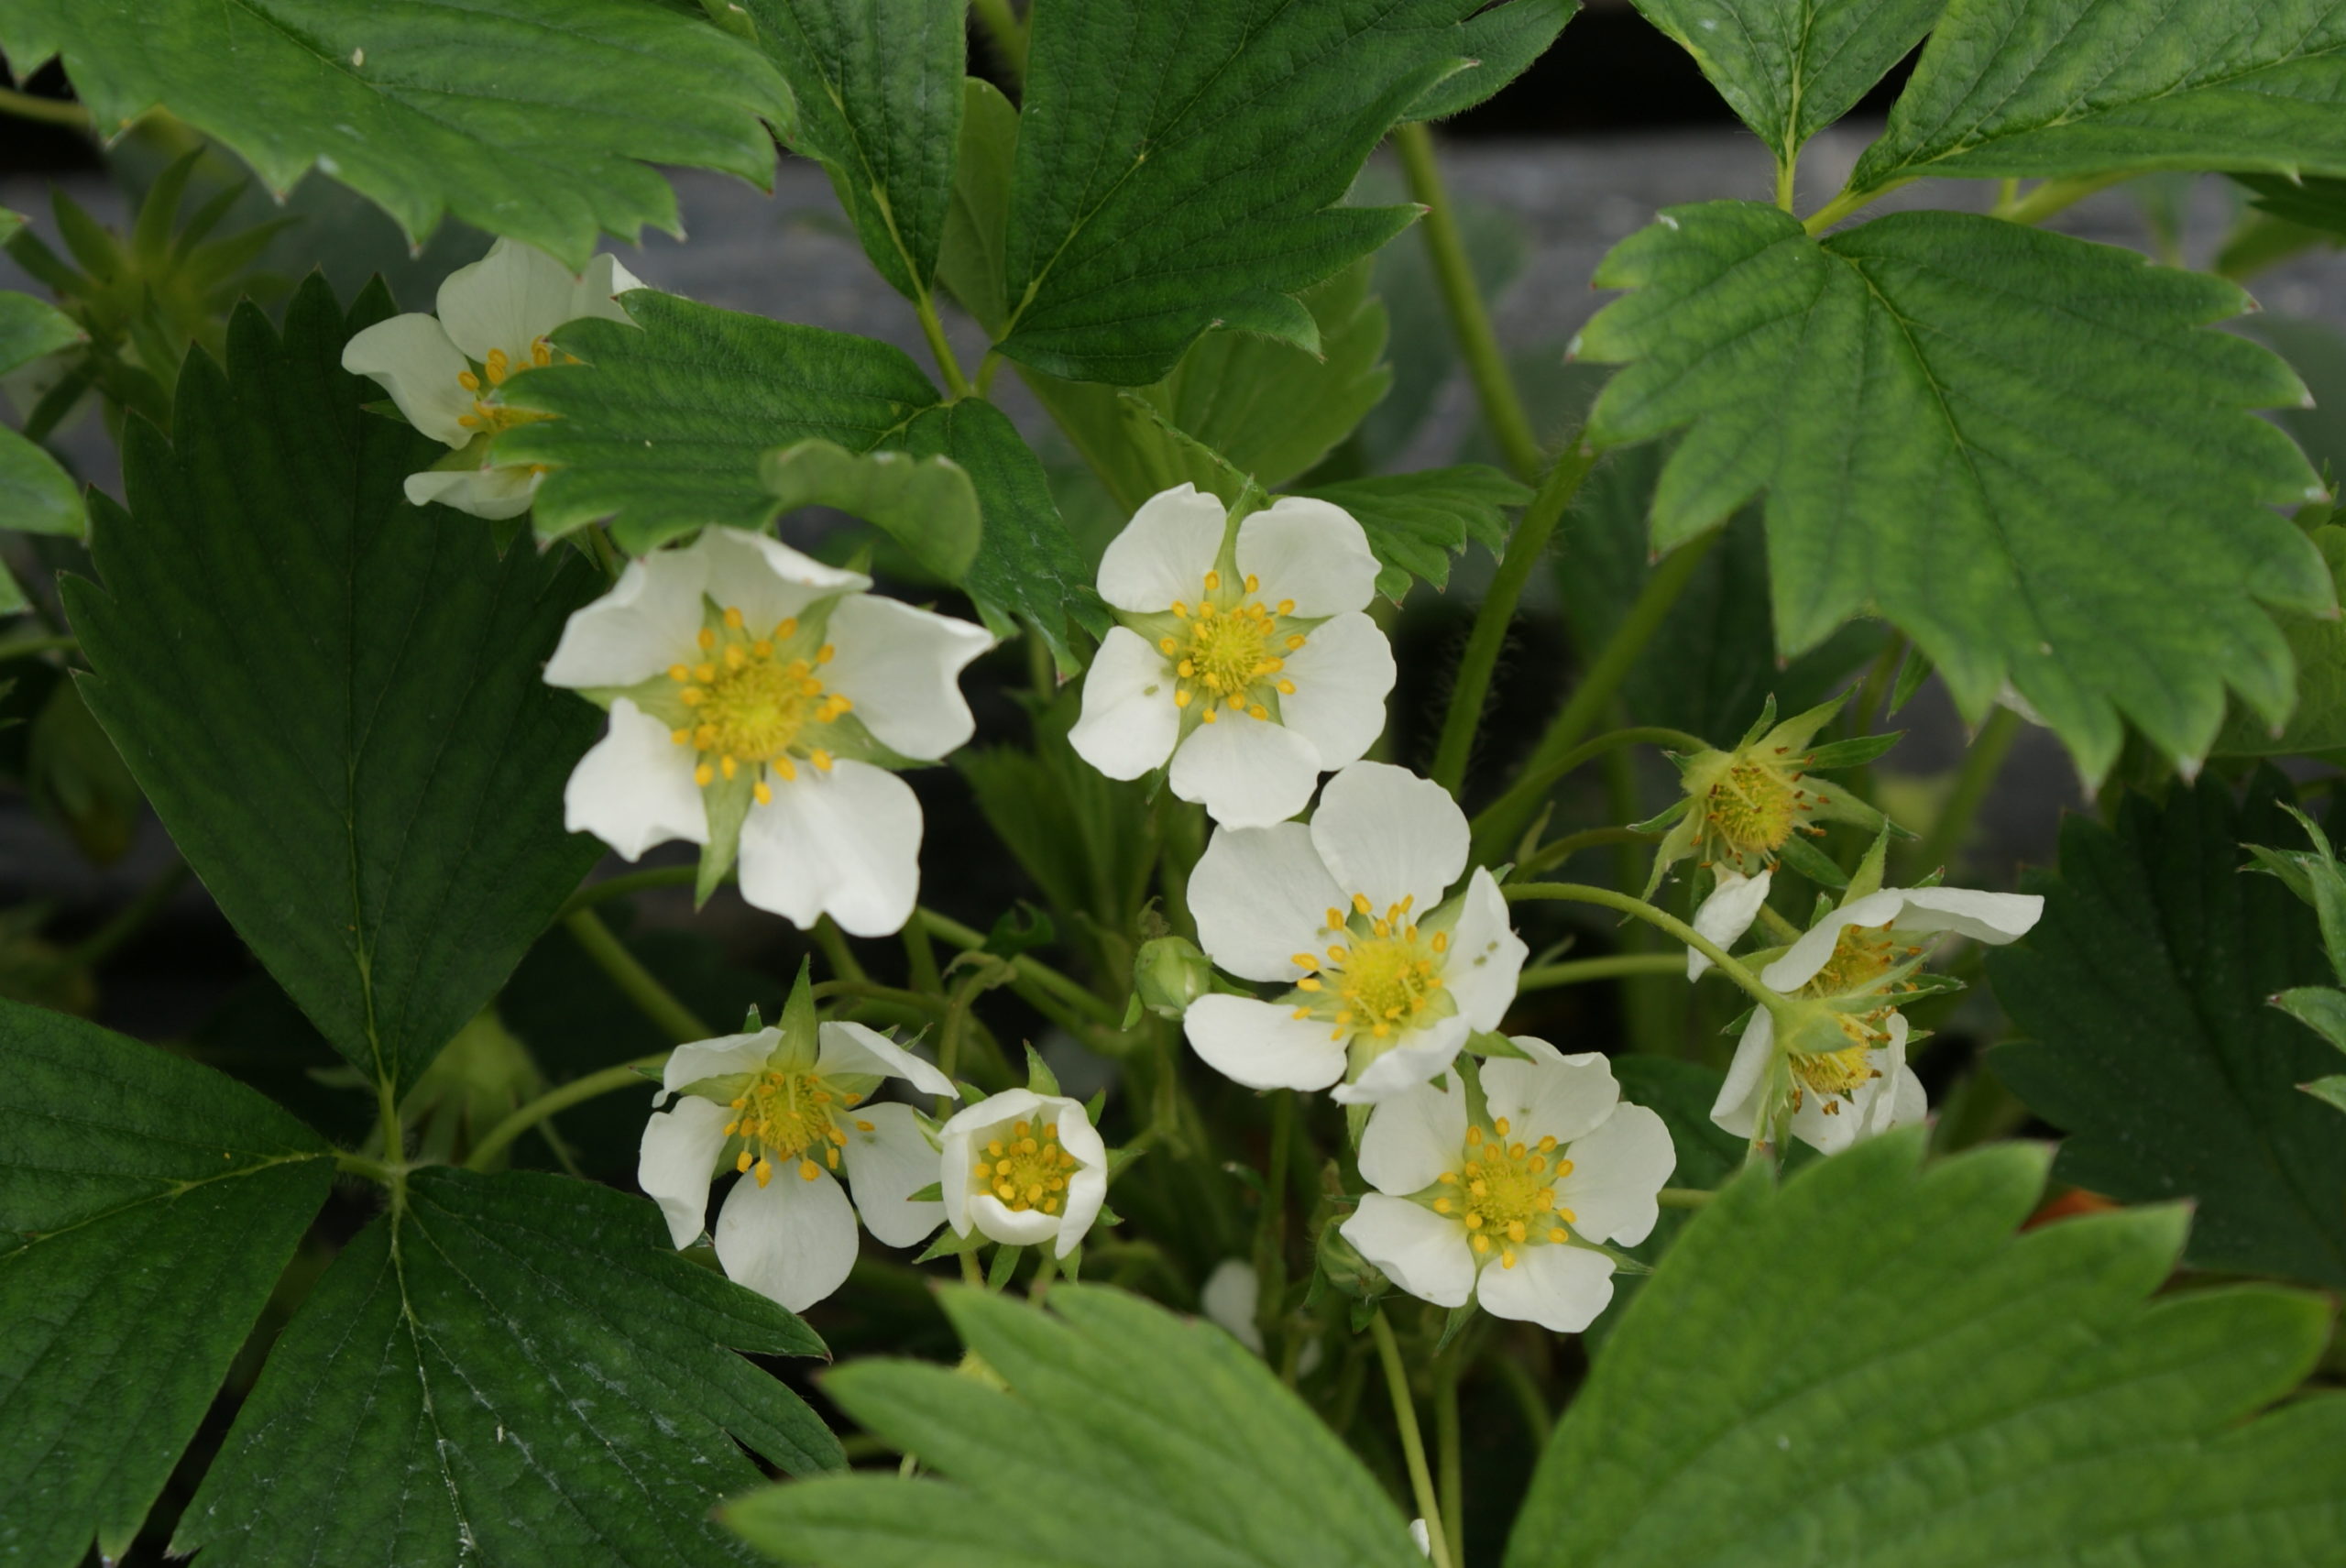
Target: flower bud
(1169,973)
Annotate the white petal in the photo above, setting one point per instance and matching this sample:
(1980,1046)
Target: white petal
(1421,1054)
(1228,1300)
(719,1057)
(634,788)
(1737,1106)
(997,1222)
(1342,674)
(646,623)
(1562,1099)
(1261,896)
(1165,553)
(1826,1134)
(1087,1194)
(1262,1044)
(792,1241)
(765,579)
(599,288)
(1419,1251)
(1247,773)
(1906,1102)
(1616,1170)
(1414,1137)
(1309,550)
(886,1166)
(1993,918)
(411,357)
(1561,1287)
(1387,833)
(1422,1537)
(902,668)
(1486,956)
(1729,913)
(494,494)
(844,843)
(849,1048)
(676,1160)
(1894,1097)
(1129,721)
(508,298)
(1806,957)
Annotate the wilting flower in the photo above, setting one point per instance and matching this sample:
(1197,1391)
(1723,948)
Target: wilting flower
(1385,981)
(1023,1168)
(758,700)
(1502,1208)
(443,372)
(1243,655)
(1854,968)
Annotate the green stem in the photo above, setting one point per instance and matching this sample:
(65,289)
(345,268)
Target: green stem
(2057,196)
(654,1000)
(934,330)
(1684,1197)
(598,544)
(1582,893)
(1971,786)
(1548,977)
(1786,167)
(1537,782)
(353,1164)
(626,884)
(1524,550)
(1413,1443)
(523,1117)
(26,647)
(1270,1225)
(835,952)
(392,1131)
(920,959)
(1557,852)
(50,111)
(1450,1472)
(1025,972)
(1470,322)
(1848,202)
(1009,34)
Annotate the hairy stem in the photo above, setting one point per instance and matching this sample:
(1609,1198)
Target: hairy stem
(1413,1443)
(1536,781)
(934,331)
(1847,202)
(1027,972)
(1548,977)
(50,111)
(1684,1197)
(1558,851)
(26,647)
(1450,1472)
(1582,893)
(650,998)
(578,1090)
(2057,196)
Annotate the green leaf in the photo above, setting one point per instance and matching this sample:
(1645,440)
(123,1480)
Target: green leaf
(2318,643)
(147,1206)
(36,495)
(1502,43)
(1867,1365)
(1180,161)
(2321,1008)
(1789,70)
(30,328)
(928,507)
(539,119)
(2315,203)
(1416,523)
(969,259)
(2143,994)
(1145,1440)
(509,1368)
(2316,351)
(2051,87)
(331,697)
(2056,483)
(879,90)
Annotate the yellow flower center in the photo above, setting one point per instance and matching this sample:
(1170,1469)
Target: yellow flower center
(490,417)
(1752,808)
(1505,1193)
(785,1117)
(1378,982)
(1232,649)
(1861,956)
(1027,1168)
(1835,1072)
(751,708)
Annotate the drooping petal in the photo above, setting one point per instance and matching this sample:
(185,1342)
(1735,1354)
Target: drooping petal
(792,1241)
(1129,721)
(1896,1097)
(1342,674)
(765,579)
(1414,1137)
(1261,898)
(719,1057)
(634,788)
(852,1048)
(1165,553)
(1309,550)
(1729,913)
(1737,1109)
(1388,834)
(1486,956)
(1561,1287)
(1247,773)
(844,843)
(1228,1300)
(1420,1251)
(1262,1044)
(507,300)
(645,624)
(409,356)
(1993,918)
(493,494)
(902,668)
(998,1222)
(1420,1054)
(1826,1132)
(886,1163)
(676,1160)
(1616,1170)
(1087,1194)
(1563,1097)
(1806,957)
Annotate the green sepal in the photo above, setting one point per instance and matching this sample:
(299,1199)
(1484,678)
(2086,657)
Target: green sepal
(728,803)
(2319,1008)
(1853,752)
(1040,1079)
(950,1242)
(1005,1264)
(1813,862)
(1093,1106)
(932,1193)
(1452,1325)
(1910,675)
(1867,879)
(1492,1043)
(799,1025)
(2330,1090)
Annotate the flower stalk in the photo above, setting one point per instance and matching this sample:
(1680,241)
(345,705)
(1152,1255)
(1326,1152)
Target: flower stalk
(1413,1442)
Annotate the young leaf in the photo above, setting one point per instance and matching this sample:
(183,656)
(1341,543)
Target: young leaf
(2052,87)
(2143,994)
(539,119)
(929,507)
(1979,1398)
(147,1206)
(1145,1440)
(36,495)
(30,328)
(969,259)
(331,697)
(1416,523)
(2054,483)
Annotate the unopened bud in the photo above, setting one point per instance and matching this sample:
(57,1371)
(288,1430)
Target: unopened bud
(1169,973)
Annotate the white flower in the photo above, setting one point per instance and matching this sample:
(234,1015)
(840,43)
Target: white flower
(494,319)
(1499,1209)
(1385,982)
(1244,655)
(1230,1299)
(787,1113)
(1855,958)
(758,698)
(1729,913)
(1023,1168)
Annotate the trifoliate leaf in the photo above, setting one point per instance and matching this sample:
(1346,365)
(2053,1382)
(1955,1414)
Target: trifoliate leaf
(1502,42)
(147,1206)
(2052,87)
(929,507)
(2142,996)
(2055,482)
(1416,523)
(1145,1440)
(509,1369)
(1924,1388)
(2314,203)
(539,119)
(30,328)
(331,697)
(968,260)
(2318,645)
